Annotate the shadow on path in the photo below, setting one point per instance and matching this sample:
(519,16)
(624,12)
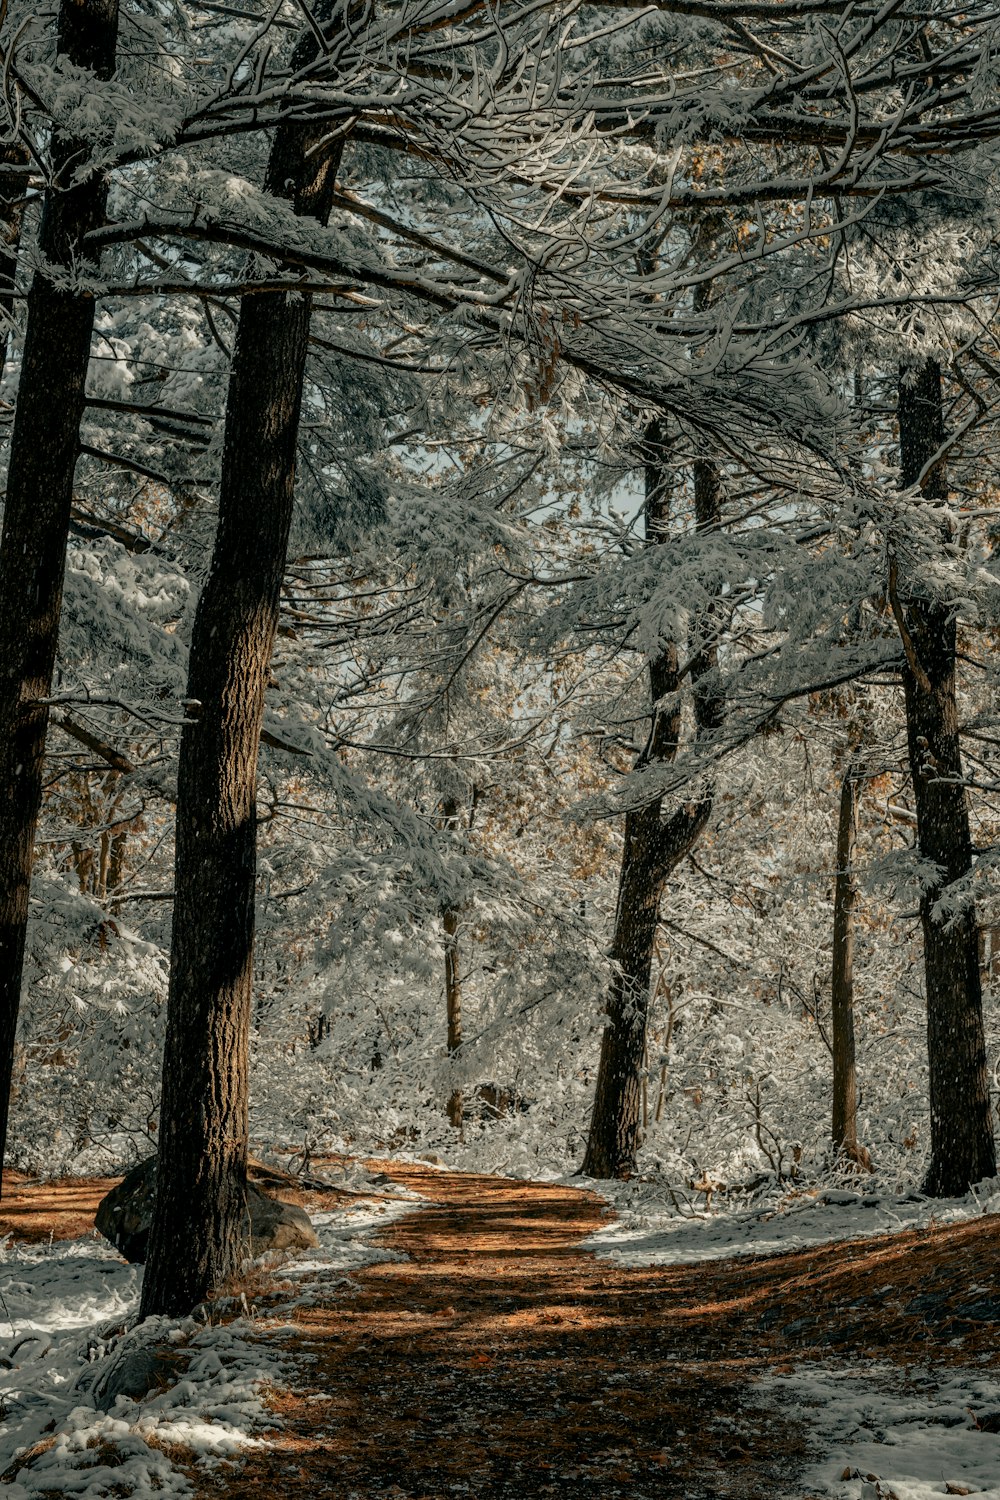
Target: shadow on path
(499,1360)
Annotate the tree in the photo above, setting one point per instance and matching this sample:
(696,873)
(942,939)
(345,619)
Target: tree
(201,1171)
(845,1086)
(43,456)
(451,921)
(962,1142)
(653,844)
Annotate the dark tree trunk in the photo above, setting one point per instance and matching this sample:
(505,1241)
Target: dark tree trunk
(201,1176)
(845,1083)
(451,922)
(44,449)
(450,919)
(962,1144)
(653,847)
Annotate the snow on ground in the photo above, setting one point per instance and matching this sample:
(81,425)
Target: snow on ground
(67,1313)
(886,1433)
(212,1411)
(656,1227)
(66,1316)
(894,1434)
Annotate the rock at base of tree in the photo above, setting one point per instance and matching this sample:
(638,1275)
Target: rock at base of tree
(134,1374)
(125,1214)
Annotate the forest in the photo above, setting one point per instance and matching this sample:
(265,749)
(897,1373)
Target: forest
(499,737)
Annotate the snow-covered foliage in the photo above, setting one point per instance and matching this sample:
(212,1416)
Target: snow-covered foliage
(550,223)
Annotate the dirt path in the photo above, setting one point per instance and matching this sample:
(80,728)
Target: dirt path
(32,1213)
(501,1361)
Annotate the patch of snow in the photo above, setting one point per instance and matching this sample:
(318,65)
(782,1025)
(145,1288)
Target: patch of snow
(894,1434)
(211,1411)
(653,1230)
(345,1244)
(66,1313)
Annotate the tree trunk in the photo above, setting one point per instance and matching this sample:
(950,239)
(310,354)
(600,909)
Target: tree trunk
(451,921)
(453,1003)
(43,455)
(962,1144)
(614,1124)
(201,1175)
(451,918)
(652,848)
(845,1086)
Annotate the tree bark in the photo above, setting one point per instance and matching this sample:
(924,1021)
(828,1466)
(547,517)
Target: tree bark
(201,1175)
(44,449)
(653,847)
(845,1085)
(453,1001)
(962,1143)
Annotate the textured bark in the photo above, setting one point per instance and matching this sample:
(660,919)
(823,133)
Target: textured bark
(845,1083)
(962,1144)
(453,1002)
(201,1177)
(653,847)
(44,449)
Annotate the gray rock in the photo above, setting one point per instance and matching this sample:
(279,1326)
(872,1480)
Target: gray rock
(125,1214)
(272,1225)
(135,1373)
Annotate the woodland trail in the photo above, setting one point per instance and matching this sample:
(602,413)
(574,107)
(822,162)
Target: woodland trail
(500,1360)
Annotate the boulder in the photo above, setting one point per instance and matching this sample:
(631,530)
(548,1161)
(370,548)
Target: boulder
(134,1374)
(125,1214)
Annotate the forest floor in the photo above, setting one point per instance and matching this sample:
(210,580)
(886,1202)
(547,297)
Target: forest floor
(498,1358)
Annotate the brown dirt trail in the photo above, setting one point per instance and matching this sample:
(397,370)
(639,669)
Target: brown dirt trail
(500,1360)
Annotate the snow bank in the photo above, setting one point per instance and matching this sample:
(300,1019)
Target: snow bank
(654,1229)
(68,1310)
(886,1432)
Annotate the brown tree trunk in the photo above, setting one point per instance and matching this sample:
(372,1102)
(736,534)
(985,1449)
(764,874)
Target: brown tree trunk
(962,1144)
(201,1175)
(652,848)
(845,1084)
(453,1001)
(43,455)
